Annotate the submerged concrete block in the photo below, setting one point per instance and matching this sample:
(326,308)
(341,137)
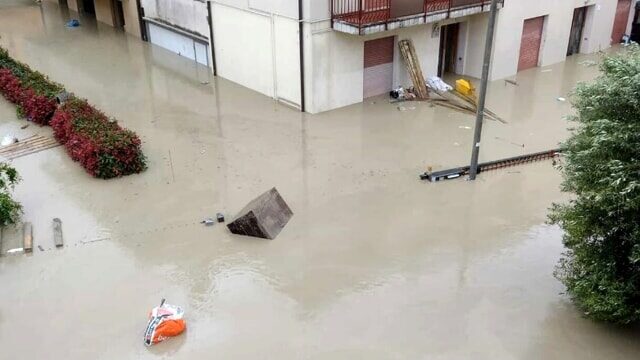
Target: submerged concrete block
(264,217)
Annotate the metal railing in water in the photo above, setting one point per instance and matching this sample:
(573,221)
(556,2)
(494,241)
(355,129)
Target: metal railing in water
(363,13)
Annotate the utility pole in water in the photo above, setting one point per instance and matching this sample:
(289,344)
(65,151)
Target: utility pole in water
(477,135)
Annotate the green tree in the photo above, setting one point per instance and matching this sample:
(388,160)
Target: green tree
(10,210)
(601,267)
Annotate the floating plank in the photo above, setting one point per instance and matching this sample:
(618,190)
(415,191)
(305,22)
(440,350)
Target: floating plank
(28,146)
(27,235)
(57,232)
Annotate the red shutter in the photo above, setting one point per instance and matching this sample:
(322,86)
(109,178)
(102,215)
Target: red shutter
(378,66)
(621,21)
(530,44)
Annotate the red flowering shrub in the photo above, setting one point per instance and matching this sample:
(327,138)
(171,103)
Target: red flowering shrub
(10,86)
(33,92)
(37,108)
(99,144)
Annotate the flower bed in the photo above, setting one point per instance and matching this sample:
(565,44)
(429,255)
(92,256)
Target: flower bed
(31,91)
(104,149)
(98,143)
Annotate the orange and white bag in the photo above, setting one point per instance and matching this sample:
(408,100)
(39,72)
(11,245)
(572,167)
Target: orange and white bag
(165,321)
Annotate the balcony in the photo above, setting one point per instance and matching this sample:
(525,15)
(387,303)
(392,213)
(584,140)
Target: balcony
(363,17)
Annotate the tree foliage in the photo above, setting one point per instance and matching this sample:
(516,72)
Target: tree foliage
(601,267)
(10,210)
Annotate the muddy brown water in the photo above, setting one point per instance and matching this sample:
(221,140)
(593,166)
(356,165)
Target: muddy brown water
(374,263)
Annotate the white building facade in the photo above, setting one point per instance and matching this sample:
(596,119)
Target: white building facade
(319,55)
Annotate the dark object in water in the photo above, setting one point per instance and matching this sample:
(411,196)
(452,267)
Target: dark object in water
(264,217)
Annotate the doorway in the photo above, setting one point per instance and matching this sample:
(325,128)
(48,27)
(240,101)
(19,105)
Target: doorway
(449,37)
(88,7)
(621,20)
(530,43)
(378,66)
(635,27)
(118,14)
(577,28)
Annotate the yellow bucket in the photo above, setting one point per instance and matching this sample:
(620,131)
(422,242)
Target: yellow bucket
(464,87)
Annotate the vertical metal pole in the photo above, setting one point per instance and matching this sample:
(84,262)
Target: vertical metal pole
(213,47)
(303,107)
(477,135)
(359,17)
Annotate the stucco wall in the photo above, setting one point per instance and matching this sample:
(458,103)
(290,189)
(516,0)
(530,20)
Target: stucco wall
(103,11)
(73,4)
(131,21)
(559,14)
(335,63)
(427,45)
(476,40)
(187,14)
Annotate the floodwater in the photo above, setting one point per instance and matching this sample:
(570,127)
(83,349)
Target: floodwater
(374,264)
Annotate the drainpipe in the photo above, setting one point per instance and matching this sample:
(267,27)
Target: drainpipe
(301,40)
(213,48)
(143,27)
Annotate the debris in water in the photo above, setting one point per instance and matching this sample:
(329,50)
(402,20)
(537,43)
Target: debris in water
(547,70)
(8,140)
(456,144)
(220,217)
(438,84)
(24,126)
(402,108)
(562,99)
(73,23)
(165,321)
(263,217)
(16,250)
(27,233)
(588,63)
(40,247)
(510,142)
(208,222)
(57,232)
(204,82)
(94,240)
(512,82)
(464,127)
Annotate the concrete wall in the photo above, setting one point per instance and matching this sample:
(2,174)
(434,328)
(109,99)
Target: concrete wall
(335,63)
(427,45)
(334,68)
(73,4)
(104,13)
(476,39)
(316,10)
(186,14)
(597,34)
(131,20)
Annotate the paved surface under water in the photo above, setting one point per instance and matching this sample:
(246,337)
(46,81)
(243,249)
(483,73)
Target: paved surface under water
(374,264)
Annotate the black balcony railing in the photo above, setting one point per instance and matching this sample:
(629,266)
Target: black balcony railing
(364,13)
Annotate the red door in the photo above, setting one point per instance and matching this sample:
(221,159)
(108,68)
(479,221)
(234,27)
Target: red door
(530,43)
(378,66)
(621,20)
